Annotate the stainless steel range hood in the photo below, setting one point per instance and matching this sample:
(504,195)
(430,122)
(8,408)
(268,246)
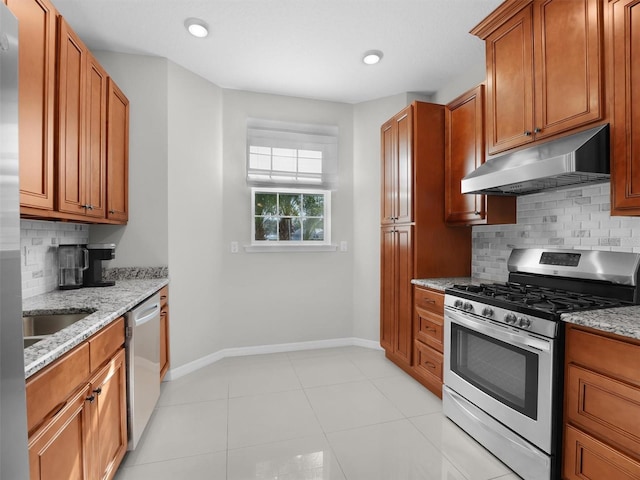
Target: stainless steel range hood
(577,159)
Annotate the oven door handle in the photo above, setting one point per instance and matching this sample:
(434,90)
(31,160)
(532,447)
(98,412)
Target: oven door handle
(495,332)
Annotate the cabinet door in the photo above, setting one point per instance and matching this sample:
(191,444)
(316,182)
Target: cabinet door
(37,58)
(397,168)
(396,294)
(62,448)
(624,30)
(72,61)
(404,166)
(109,420)
(117,155)
(567,46)
(464,143)
(96,138)
(510,83)
(387,287)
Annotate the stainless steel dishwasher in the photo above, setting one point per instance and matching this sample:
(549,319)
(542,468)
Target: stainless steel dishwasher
(143,365)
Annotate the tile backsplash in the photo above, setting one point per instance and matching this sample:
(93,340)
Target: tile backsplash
(38,251)
(576,218)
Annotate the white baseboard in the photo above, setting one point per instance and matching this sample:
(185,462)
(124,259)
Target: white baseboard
(190,367)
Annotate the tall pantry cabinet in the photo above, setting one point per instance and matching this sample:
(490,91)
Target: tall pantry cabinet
(415,242)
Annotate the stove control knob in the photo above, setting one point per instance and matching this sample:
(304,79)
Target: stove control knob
(467,307)
(524,322)
(457,303)
(487,312)
(510,318)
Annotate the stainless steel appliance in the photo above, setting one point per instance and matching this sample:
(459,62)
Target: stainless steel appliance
(143,365)
(503,349)
(13,415)
(73,260)
(97,253)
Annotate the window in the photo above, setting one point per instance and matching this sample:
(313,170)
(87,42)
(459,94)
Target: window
(291,155)
(290,216)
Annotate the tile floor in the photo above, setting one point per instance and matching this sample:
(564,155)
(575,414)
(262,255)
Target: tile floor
(343,413)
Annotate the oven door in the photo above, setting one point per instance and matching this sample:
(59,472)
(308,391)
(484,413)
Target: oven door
(508,373)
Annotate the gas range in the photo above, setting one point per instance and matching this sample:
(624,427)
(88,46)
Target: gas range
(544,284)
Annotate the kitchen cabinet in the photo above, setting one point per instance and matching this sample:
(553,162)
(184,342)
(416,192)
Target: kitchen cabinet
(117,155)
(544,69)
(415,242)
(464,152)
(601,406)
(76,410)
(396,273)
(82,89)
(623,35)
(37,57)
(164,332)
(428,330)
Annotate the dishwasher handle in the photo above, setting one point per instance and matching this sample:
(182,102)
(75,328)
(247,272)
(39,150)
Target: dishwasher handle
(147,314)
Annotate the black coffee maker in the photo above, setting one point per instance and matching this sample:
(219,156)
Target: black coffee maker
(92,276)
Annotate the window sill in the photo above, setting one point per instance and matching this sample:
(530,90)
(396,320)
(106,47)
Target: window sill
(289,248)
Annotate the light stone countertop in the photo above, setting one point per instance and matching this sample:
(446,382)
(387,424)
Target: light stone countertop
(106,304)
(623,321)
(444,282)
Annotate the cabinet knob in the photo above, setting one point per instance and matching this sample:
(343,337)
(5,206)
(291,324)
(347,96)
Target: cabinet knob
(527,133)
(91,398)
(476,212)
(112,211)
(537,130)
(98,391)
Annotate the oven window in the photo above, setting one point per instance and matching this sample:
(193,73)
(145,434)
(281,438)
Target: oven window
(507,373)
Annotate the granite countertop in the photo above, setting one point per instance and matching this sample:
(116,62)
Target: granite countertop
(623,321)
(444,282)
(105,303)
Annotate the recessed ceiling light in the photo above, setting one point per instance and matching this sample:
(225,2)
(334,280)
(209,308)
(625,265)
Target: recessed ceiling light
(197,28)
(372,57)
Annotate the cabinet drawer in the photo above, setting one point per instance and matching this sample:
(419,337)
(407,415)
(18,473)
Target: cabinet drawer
(105,343)
(428,361)
(587,458)
(605,407)
(428,300)
(603,354)
(429,329)
(49,389)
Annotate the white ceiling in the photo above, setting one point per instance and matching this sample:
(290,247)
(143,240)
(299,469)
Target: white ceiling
(303,48)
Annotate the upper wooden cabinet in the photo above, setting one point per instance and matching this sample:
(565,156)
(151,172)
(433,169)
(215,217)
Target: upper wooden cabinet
(544,69)
(117,155)
(623,33)
(464,152)
(397,172)
(37,57)
(65,140)
(82,109)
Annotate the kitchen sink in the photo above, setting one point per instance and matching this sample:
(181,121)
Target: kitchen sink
(39,327)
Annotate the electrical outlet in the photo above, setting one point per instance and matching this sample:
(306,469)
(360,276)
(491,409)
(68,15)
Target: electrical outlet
(234,247)
(343,246)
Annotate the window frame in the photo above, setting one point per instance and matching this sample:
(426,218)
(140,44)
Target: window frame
(293,244)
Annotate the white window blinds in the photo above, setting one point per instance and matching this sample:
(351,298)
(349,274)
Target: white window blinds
(288,154)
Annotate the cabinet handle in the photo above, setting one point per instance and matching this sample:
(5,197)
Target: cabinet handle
(430,365)
(91,398)
(476,212)
(527,133)
(112,211)
(98,391)
(430,329)
(429,301)
(537,130)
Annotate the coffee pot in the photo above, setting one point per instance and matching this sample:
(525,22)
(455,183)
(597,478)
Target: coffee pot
(73,260)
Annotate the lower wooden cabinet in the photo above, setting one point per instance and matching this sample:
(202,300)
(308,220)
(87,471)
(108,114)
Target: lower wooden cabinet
(601,406)
(80,434)
(164,332)
(428,329)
